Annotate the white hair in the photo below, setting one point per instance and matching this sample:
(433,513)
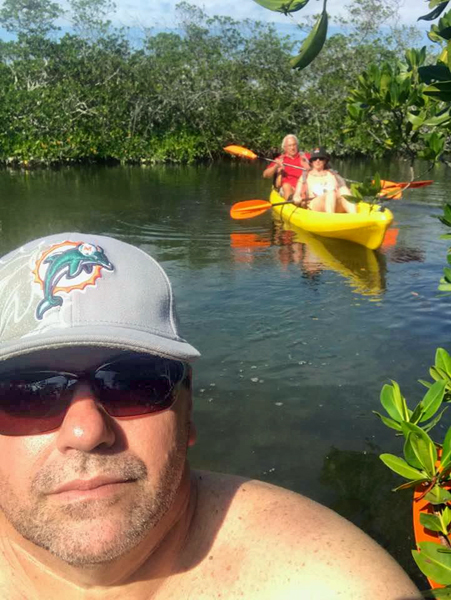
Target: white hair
(287,137)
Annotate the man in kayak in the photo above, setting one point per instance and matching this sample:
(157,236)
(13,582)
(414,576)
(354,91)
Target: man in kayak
(322,189)
(288,167)
(97,498)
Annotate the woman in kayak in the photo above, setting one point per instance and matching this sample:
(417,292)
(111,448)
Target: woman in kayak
(322,189)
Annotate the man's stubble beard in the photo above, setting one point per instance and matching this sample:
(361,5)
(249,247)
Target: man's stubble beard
(55,529)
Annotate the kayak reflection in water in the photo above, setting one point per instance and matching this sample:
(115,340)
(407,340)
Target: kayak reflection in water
(322,189)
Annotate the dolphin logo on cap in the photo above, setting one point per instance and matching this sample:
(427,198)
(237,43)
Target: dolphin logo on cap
(79,262)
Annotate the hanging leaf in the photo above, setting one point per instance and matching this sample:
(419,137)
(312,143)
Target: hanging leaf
(312,44)
(434,13)
(285,7)
(434,561)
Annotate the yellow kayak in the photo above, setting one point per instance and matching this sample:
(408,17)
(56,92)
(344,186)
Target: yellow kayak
(366,227)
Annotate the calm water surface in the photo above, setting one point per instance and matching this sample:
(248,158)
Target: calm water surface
(297,334)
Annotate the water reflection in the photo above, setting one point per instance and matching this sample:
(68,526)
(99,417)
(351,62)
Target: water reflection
(359,482)
(363,269)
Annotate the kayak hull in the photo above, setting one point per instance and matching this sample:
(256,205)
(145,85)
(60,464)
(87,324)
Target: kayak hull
(366,227)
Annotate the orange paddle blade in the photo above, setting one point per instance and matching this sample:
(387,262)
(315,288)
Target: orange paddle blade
(415,184)
(240,151)
(401,185)
(249,209)
(393,193)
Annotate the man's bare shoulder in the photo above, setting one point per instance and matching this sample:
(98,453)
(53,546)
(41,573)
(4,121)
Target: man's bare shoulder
(278,540)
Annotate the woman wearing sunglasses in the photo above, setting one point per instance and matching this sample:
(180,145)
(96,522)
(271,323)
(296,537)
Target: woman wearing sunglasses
(97,500)
(322,189)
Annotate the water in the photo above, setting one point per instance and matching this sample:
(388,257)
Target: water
(298,335)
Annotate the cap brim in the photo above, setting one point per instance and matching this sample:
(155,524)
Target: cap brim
(104,336)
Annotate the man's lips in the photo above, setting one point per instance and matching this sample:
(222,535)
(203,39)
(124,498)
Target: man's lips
(86,485)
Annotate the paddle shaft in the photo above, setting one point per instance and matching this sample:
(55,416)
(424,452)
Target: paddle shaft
(263,208)
(272,160)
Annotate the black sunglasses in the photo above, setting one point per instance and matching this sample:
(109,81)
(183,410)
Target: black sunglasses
(36,401)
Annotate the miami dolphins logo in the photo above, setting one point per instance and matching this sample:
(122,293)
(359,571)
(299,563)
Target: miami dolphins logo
(65,267)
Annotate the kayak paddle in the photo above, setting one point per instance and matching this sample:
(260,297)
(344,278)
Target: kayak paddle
(246,153)
(387,186)
(248,209)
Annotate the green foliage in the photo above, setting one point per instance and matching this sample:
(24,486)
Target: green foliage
(425,462)
(391,99)
(30,17)
(89,17)
(399,414)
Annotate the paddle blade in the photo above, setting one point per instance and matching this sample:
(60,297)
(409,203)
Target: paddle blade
(401,185)
(393,193)
(249,209)
(240,151)
(416,184)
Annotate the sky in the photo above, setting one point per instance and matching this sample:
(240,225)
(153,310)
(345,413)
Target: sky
(160,14)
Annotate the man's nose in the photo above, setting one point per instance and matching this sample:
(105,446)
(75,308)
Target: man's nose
(86,425)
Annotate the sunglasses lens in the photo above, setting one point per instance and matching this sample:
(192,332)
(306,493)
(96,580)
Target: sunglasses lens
(138,385)
(35,402)
(31,403)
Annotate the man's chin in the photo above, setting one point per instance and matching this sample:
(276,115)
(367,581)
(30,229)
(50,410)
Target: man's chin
(92,541)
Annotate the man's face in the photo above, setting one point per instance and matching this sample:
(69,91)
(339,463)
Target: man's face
(291,147)
(93,489)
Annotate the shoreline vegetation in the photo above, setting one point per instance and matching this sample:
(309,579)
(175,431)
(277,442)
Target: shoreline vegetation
(95,96)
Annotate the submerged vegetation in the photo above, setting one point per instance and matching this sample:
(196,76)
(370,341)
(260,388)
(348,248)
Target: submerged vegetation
(97,94)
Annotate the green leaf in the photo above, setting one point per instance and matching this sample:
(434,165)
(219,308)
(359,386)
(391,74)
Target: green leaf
(427,384)
(423,447)
(285,7)
(434,3)
(437,495)
(446,516)
(434,562)
(431,522)
(438,594)
(393,402)
(434,13)
(446,450)
(434,422)
(399,466)
(388,422)
(312,44)
(432,400)
(437,72)
(443,360)
(410,455)
(440,90)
